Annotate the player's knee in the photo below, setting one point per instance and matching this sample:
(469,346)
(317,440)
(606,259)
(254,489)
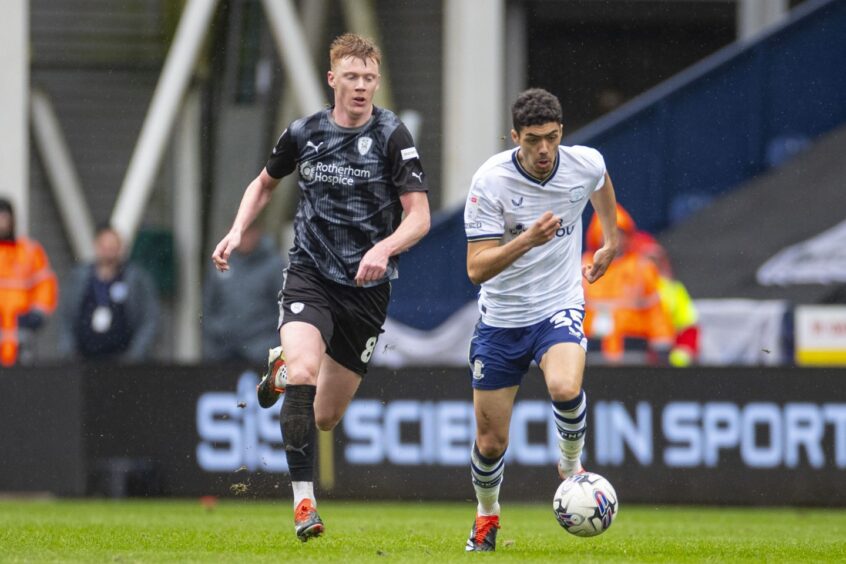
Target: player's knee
(491,446)
(302,374)
(326,422)
(564,391)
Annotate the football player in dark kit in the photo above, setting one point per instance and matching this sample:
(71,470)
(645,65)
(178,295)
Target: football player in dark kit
(362,202)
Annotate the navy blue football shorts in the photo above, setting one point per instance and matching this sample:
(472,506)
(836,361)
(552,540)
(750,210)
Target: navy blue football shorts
(500,356)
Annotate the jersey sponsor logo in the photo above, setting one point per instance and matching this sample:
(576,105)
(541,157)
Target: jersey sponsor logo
(313,146)
(363,145)
(418,176)
(410,153)
(562,231)
(307,171)
(472,210)
(577,193)
(332,174)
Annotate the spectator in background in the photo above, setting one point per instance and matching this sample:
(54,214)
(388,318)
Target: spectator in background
(623,309)
(677,304)
(240,309)
(28,289)
(674,295)
(110,309)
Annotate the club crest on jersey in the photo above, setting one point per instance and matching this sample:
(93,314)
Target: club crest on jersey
(363,145)
(577,193)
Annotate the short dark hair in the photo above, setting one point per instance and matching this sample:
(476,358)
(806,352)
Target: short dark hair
(535,106)
(7,207)
(104,227)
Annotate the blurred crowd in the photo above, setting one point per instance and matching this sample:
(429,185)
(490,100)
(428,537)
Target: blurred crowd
(109,309)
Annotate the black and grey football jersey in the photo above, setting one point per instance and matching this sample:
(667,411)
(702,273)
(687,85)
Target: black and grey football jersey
(350,181)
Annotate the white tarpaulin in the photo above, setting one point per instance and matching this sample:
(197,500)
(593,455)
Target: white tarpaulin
(446,345)
(736,331)
(819,260)
(732,331)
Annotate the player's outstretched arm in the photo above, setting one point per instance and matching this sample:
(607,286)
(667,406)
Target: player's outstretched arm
(604,202)
(486,259)
(256,197)
(414,226)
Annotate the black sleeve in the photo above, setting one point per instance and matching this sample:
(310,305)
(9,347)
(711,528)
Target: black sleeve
(404,163)
(283,158)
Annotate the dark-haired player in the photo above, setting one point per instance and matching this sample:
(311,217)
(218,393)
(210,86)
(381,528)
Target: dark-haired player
(524,241)
(362,202)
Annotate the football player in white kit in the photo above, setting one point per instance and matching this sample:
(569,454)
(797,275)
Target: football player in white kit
(524,243)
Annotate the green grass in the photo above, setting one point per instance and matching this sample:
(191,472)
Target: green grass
(234,531)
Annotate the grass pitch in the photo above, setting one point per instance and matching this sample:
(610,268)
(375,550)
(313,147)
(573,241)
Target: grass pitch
(246,531)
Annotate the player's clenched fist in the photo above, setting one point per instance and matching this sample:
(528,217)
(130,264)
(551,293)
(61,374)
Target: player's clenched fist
(543,230)
(373,266)
(601,260)
(220,256)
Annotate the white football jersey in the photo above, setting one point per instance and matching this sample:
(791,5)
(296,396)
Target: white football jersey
(504,201)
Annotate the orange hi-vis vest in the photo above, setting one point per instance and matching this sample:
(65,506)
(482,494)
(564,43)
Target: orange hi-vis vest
(626,303)
(26,283)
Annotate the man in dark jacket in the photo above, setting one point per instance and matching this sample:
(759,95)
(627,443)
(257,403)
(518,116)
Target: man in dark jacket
(109,309)
(240,309)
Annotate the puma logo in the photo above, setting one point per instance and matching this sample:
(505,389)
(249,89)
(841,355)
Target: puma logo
(313,146)
(418,176)
(301,450)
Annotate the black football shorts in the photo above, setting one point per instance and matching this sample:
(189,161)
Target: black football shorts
(349,318)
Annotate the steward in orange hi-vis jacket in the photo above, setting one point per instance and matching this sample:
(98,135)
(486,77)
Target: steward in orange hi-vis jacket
(28,288)
(623,309)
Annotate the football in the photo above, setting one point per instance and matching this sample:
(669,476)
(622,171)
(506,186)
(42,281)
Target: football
(585,504)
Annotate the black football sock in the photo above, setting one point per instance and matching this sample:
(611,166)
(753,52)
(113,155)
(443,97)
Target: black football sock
(299,432)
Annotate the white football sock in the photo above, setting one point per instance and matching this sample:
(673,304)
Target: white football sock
(571,421)
(487,476)
(303,490)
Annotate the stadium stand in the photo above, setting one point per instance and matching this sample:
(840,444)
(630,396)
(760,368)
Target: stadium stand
(702,133)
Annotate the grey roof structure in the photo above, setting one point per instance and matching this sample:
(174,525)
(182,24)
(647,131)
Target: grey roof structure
(717,251)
